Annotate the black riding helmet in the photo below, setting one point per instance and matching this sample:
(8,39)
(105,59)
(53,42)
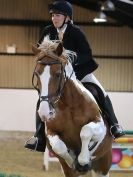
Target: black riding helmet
(61,7)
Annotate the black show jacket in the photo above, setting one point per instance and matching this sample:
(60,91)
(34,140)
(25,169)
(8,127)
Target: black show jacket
(74,40)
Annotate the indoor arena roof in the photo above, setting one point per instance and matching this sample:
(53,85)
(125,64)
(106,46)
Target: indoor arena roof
(120,10)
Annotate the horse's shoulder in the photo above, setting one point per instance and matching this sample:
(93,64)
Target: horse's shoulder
(85,91)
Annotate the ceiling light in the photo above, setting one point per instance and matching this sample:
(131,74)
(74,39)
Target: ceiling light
(100,18)
(108,5)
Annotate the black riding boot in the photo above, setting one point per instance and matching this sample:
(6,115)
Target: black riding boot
(38,141)
(115,129)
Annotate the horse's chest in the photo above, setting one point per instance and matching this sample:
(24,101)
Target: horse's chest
(65,131)
(54,125)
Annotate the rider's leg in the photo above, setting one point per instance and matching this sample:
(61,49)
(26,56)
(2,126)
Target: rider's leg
(115,129)
(38,141)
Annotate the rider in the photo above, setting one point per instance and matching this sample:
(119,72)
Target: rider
(73,39)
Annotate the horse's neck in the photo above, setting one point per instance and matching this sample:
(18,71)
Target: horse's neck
(71,92)
(79,101)
(75,93)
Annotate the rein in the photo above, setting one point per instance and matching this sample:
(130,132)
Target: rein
(59,90)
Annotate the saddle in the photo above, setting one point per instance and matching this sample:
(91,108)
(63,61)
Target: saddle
(97,93)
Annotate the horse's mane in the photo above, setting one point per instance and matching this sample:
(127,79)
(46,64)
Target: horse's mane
(49,46)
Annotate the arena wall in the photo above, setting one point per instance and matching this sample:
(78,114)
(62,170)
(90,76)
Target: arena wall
(18,109)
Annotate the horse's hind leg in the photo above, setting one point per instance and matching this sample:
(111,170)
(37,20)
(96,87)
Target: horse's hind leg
(68,172)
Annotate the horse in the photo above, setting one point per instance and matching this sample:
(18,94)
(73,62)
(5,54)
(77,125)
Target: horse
(77,133)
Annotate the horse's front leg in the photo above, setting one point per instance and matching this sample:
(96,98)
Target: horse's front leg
(68,172)
(90,132)
(59,147)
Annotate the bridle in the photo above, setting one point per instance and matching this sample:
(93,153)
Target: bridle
(61,84)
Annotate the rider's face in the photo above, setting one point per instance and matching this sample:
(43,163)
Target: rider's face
(57,20)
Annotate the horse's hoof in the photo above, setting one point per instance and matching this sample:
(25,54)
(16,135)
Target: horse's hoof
(81,168)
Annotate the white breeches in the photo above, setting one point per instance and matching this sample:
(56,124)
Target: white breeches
(91,78)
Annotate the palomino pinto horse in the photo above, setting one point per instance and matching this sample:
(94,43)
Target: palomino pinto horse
(75,130)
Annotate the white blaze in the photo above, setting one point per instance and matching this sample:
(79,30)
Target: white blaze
(44,106)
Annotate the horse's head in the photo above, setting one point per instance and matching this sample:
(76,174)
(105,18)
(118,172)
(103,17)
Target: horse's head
(52,69)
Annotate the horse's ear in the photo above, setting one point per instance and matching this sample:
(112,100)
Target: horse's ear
(58,51)
(35,49)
